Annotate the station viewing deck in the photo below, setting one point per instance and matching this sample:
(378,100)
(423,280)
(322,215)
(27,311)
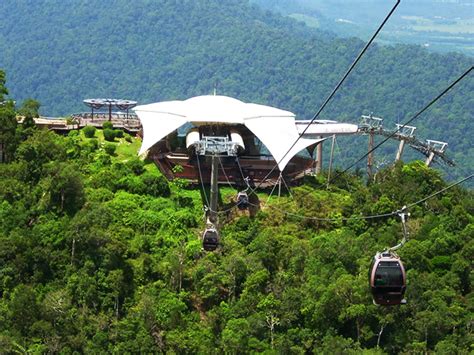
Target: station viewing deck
(128,122)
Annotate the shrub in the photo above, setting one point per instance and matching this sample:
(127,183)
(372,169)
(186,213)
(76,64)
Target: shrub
(132,184)
(107,125)
(102,159)
(100,194)
(118,133)
(73,133)
(128,138)
(136,166)
(90,146)
(156,185)
(109,134)
(94,143)
(110,148)
(89,131)
(106,178)
(120,168)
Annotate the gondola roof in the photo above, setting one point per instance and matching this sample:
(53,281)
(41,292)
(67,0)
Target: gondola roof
(274,127)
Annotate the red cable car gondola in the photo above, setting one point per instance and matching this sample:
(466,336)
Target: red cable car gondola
(387,279)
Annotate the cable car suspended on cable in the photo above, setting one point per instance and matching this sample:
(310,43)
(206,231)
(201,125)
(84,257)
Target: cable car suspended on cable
(210,239)
(242,200)
(387,279)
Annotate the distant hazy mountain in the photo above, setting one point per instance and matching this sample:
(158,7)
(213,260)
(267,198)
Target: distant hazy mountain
(442,25)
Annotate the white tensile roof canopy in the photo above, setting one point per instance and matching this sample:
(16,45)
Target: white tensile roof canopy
(274,127)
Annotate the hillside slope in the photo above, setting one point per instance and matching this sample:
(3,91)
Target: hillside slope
(100,254)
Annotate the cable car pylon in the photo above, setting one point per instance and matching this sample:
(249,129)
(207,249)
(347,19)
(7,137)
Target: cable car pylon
(215,147)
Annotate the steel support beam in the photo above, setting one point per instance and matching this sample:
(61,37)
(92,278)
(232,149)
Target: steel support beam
(370,157)
(214,189)
(319,157)
(400,150)
(429,160)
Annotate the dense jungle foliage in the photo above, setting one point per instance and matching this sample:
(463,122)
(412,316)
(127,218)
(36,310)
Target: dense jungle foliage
(62,52)
(99,253)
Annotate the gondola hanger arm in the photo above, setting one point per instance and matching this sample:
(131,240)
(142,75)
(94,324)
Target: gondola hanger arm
(403,214)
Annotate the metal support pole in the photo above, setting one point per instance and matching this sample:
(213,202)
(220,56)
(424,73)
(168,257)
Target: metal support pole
(403,214)
(330,159)
(370,157)
(319,157)
(214,189)
(279,185)
(400,150)
(430,158)
(110,112)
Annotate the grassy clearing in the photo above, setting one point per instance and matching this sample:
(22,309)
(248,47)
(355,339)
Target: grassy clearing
(422,24)
(126,150)
(452,29)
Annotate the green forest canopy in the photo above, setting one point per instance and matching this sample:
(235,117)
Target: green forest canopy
(100,253)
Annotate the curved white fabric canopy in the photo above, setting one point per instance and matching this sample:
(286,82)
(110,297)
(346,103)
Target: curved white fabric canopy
(279,135)
(274,127)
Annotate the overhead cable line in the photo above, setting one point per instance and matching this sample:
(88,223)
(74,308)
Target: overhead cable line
(334,219)
(228,181)
(336,88)
(244,178)
(207,206)
(409,121)
(354,63)
(440,191)
(223,170)
(389,214)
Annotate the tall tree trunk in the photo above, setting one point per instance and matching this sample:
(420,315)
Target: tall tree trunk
(380,334)
(62,200)
(358,330)
(73,249)
(117,306)
(271,322)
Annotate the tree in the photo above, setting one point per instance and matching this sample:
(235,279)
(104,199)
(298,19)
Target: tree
(235,336)
(39,149)
(3,89)
(30,108)
(63,188)
(23,308)
(115,281)
(8,124)
(269,306)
